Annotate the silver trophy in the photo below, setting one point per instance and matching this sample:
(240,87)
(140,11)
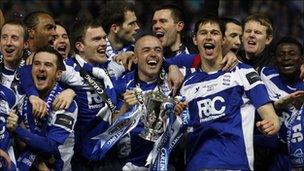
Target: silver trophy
(155,118)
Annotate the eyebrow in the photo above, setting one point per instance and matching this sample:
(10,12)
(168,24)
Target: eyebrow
(50,25)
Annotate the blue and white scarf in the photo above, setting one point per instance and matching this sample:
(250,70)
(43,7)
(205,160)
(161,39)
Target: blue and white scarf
(34,125)
(122,126)
(295,137)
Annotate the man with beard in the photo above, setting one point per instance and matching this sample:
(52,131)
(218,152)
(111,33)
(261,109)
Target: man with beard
(120,23)
(41,29)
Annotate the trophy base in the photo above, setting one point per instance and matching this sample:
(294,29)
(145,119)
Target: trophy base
(149,135)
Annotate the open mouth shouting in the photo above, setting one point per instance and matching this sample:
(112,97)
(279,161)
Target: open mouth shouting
(159,34)
(209,49)
(9,50)
(251,43)
(41,78)
(62,49)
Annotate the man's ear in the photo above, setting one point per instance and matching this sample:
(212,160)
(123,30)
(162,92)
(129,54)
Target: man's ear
(268,39)
(224,39)
(58,74)
(79,46)
(114,28)
(194,40)
(31,33)
(135,60)
(180,26)
(26,44)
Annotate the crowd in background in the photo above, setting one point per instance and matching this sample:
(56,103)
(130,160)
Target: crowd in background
(286,16)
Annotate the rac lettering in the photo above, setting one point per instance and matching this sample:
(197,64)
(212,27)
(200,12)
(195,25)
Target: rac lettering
(207,110)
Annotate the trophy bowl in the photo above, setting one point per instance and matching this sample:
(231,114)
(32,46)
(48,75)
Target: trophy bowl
(155,118)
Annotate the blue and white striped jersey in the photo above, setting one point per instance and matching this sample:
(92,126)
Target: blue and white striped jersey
(110,52)
(7,77)
(279,86)
(222,108)
(44,137)
(88,100)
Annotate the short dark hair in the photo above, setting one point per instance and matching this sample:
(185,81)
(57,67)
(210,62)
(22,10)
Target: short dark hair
(79,30)
(114,13)
(31,20)
(176,12)
(209,19)
(226,20)
(17,23)
(60,23)
(289,40)
(51,50)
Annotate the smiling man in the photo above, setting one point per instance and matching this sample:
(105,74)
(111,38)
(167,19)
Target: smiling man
(43,136)
(41,29)
(148,50)
(12,43)
(222,106)
(283,82)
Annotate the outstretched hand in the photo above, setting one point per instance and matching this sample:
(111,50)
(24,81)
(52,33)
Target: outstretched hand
(296,99)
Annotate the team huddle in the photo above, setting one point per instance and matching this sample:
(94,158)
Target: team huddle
(97,98)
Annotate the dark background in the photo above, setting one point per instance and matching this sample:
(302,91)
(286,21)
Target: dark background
(286,15)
